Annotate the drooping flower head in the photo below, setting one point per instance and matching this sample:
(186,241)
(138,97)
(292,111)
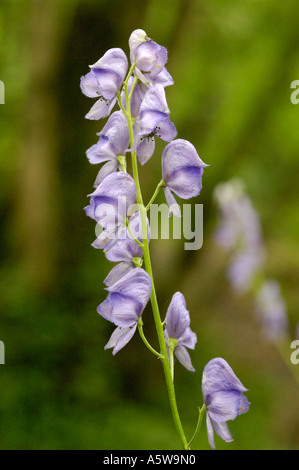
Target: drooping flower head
(124,305)
(223,397)
(150,59)
(105,80)
(178,333)
(153,121)
(182,171)
(113,143)
(109,206)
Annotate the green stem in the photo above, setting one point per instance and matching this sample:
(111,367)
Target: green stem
(135,81)
(160,333)
(171,360)
(148,267)
(198,425)
(123,162)
(140,329)
(129,74)
(160,185)
(120,104)
(172,344)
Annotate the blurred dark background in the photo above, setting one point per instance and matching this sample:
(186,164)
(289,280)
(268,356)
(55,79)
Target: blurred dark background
(233,63)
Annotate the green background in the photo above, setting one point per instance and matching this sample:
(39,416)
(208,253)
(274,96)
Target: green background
(233,62)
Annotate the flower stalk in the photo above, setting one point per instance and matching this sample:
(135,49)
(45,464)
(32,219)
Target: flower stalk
(156,192)
(147,344)
(201,413)
(153,297)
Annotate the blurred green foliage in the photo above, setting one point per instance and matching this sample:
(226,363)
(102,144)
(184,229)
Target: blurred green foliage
(233,63)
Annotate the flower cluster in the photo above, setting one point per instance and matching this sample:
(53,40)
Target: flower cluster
(240,232)
(111,81)
(138,88)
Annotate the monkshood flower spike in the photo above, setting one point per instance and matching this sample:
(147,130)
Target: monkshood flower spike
(137,86)
(223,398)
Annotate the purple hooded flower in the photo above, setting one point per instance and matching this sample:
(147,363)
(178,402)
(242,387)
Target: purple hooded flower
(124,305)
(126,252)
(182,171)
(105,80)
(150,59)
(109,206)
(113,143)
(177,328)
(153,121)
(223,398)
